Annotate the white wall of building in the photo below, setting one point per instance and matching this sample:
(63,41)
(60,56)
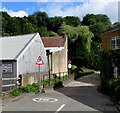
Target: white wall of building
(26,62)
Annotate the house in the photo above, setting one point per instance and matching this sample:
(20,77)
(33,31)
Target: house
(56,48)
(111,39)
(19,56)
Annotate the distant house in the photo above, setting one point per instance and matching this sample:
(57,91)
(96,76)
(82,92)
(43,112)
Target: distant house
(19,56)
(111,39)
(58,57)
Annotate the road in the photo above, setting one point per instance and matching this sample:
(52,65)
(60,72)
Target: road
(79,95)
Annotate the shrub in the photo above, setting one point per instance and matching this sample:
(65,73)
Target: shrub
(22,89)
(117,93)
(111,87)
(15,92)
(74,67)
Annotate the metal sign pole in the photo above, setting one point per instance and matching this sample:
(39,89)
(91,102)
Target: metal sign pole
(39,78)
(40,62)
(41,85)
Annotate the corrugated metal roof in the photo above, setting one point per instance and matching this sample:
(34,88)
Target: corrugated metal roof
(12,46)
(57,41)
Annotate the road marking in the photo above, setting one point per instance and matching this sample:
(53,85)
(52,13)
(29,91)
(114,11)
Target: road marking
(60,108)
(45,99)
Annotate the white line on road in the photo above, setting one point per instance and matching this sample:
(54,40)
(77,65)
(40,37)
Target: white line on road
(60,108)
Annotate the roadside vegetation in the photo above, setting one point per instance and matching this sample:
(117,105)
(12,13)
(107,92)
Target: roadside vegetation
(110,85)
(81,71)
(34,88)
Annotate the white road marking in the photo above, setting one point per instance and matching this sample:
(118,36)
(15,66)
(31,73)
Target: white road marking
(45,99)
(60,108)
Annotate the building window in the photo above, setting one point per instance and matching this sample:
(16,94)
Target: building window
(7,68)
(115,42)
(118,41)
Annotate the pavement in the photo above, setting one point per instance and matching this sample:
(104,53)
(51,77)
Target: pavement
(80,95)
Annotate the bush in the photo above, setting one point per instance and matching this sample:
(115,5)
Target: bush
(35,86)
(74,67)
(117,93)
(112,88)
(110,85)
(25,89)
(108,58)
(22,89)
(15,92)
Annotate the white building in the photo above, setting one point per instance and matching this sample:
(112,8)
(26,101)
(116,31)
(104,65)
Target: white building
(19,56)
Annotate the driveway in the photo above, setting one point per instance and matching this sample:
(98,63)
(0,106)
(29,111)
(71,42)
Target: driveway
(80,95)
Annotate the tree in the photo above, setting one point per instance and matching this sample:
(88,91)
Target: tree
(5,22)
(39,19)
(97,29)
(55,24)
(95,55)
(97,23)
(116,24)
(32,19)
(43,31)
(53,34)
(14,26)
(72,21)
(79,43)
(91,19)
(27,27)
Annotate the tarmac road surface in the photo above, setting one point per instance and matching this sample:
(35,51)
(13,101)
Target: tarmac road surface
(80,95)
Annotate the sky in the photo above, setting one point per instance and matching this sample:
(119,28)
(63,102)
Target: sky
(62,8)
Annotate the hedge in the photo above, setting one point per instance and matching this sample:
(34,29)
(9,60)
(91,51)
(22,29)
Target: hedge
(110,85)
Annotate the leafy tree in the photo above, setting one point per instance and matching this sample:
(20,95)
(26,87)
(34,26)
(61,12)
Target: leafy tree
(43,31)
(72,21)
(53,34)
(97,29)
(95,55)
(32,19)
(5,20)
(27,27)
(98,24)
(69,31)
(79,40)
(89,19)
(55,24)
(15,26)
(116,24)
(40,19)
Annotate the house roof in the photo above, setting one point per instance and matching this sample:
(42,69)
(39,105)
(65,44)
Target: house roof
(12,46)
(57,41)
(114,29)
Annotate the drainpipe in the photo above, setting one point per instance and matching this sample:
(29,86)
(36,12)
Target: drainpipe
(48,53)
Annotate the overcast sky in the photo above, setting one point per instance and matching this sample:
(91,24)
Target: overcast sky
(62,7)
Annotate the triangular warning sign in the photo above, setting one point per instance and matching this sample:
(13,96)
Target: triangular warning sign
(39,61)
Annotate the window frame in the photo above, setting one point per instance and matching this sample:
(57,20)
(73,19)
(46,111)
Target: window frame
(116,44)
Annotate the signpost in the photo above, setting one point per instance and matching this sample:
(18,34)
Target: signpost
(40,62)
